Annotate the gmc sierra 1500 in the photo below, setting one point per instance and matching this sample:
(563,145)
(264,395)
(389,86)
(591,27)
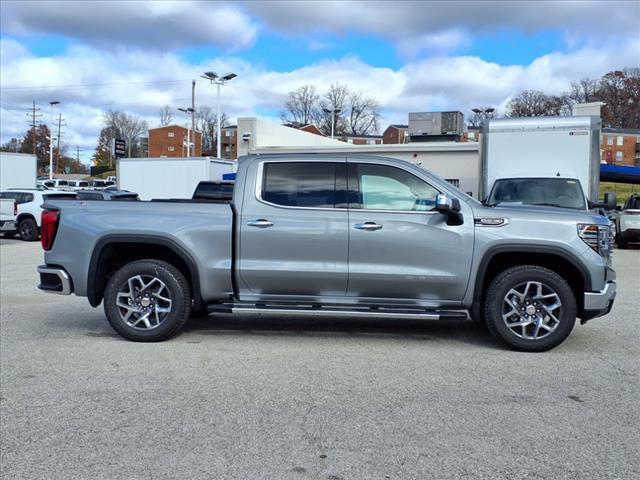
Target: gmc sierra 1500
(338,236)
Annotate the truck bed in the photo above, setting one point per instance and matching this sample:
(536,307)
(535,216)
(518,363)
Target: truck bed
(204,227)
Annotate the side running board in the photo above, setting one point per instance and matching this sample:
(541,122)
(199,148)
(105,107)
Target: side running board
(339,312)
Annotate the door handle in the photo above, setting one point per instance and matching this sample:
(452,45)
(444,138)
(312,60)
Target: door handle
(260,223)
(368,226)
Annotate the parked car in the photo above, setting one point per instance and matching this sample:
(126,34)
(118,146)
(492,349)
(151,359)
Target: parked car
(28,208)
(106,194)
(628,222)
(78,184)
(8,212)
(327,235)
(45,184)
(102,183)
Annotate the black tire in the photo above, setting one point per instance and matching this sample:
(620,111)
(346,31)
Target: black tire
(520,337)
(622,243)
(178,292)
(28,230)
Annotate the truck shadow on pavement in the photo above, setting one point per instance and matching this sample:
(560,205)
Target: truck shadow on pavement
(382,329)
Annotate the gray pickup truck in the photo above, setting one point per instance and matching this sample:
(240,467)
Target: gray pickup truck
(328,235)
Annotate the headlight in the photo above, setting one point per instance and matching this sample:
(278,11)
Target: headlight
(596,236)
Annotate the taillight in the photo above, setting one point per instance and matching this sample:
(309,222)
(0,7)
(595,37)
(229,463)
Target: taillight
(48,228)
(15,209)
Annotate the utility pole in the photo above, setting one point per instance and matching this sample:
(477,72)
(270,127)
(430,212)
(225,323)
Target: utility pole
(60,125)
(78,153)
(193,113)
(33,116)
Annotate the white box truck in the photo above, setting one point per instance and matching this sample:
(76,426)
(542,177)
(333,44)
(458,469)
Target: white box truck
(169,177)
(17,170)
(550,161)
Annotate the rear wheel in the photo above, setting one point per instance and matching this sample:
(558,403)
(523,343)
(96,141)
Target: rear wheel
(147,301)
(530,308)
(28,230)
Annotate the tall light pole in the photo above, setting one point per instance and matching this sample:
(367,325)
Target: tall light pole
(482,113)
(213,77)
(189,111)
(55,102)
(333,113)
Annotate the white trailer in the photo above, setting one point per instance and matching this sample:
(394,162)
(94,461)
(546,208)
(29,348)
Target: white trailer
(542,148)
(17,170)
(174,177)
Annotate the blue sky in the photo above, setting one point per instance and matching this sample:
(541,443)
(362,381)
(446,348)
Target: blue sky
(407,56)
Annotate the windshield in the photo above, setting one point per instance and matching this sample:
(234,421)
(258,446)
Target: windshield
(552,192)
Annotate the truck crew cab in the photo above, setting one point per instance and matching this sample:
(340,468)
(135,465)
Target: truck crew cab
(338,236)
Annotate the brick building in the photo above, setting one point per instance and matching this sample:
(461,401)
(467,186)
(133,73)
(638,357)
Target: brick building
(309,127)
(171,141)
(229,142)
(395,134)
(361,139)
(620,146)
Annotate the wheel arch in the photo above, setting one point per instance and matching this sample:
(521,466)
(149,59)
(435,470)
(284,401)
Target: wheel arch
(24,216)
(558,260)
(104,261)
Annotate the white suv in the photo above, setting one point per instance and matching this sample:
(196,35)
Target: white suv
(628,222)
(28,202)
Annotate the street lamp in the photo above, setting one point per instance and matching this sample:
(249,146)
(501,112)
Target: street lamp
(482,113)
(189,111)
(55,102)
(333,113)
(213,77)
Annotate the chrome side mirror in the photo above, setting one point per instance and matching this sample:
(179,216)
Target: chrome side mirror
(443,203)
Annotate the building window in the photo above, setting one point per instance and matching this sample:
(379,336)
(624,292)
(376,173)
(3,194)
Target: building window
(171,149)
(618,156)
(454,181)
(620,140)
(609,140)
(171,134)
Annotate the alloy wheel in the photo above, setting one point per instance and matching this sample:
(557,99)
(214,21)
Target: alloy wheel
(532,310)
(144,301)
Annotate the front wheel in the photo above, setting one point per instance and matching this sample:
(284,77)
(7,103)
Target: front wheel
(530,308)
(147,301)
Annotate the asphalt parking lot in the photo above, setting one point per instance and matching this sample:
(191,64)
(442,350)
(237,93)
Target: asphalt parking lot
(251,398)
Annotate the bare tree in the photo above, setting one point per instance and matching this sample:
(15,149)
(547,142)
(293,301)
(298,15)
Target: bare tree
(301,106)
(584,91)
(363,115)
(206,123)
(166,116)
(534,103)
(129,126)
(335,99)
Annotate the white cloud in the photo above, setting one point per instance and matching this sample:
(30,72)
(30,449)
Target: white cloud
(155,25)
(435,23)
(97,80)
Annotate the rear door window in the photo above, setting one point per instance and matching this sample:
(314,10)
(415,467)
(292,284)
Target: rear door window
(24,198)
(303,184)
